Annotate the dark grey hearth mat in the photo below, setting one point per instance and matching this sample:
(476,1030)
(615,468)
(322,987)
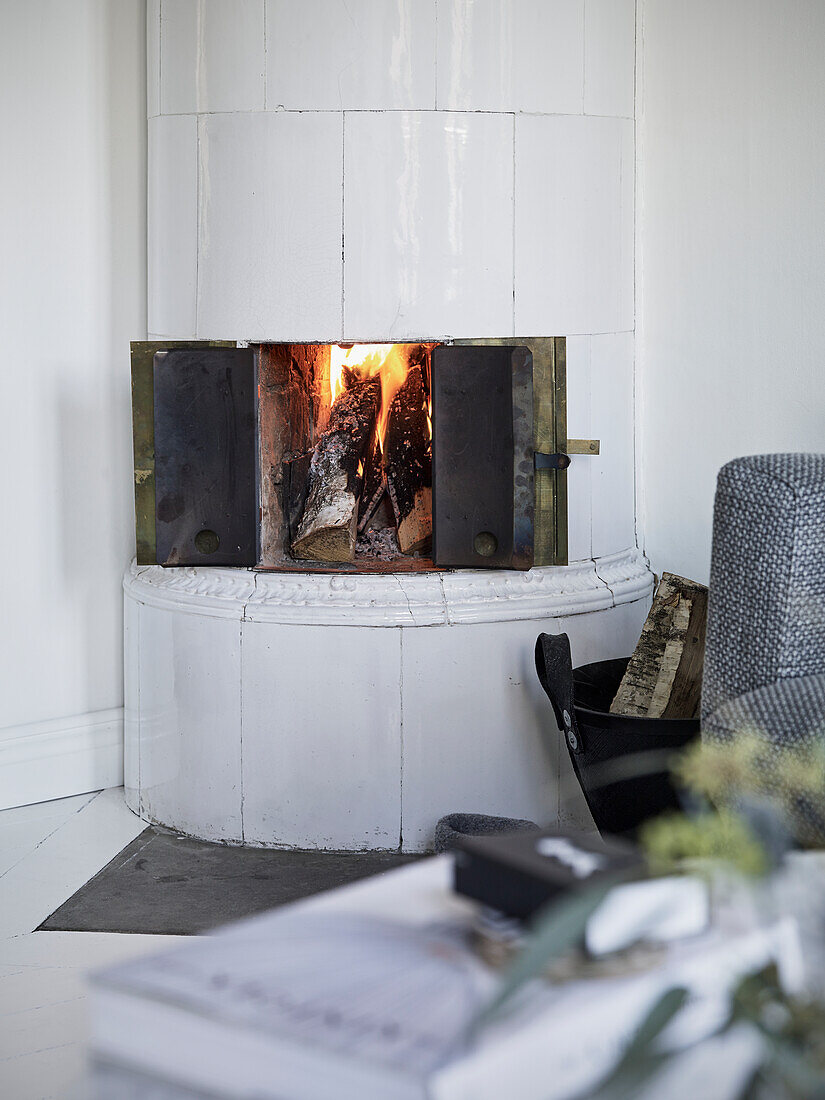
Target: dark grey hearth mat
(166,884)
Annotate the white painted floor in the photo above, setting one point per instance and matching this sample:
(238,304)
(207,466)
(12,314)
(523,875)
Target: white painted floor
(47,852)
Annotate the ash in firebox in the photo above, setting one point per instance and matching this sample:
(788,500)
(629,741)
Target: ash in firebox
(378,542)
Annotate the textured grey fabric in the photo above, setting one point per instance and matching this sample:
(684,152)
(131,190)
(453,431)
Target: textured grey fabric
(766,613)
(448,829)
(784,717)
(788,713)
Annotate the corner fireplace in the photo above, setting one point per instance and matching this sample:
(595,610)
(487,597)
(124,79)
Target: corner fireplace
(324,174)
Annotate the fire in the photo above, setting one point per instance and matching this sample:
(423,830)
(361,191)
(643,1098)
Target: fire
(389,361)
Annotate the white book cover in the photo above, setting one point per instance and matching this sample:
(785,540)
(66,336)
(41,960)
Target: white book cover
(309,1003)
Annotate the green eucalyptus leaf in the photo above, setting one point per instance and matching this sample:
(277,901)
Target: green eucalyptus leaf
(670,1004)
(629,1078)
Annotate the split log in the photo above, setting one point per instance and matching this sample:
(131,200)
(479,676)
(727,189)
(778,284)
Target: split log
(328,526)
(408,464)
(374,485)
(295,487)
(664,676)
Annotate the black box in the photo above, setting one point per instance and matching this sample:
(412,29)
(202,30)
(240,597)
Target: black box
(518,873)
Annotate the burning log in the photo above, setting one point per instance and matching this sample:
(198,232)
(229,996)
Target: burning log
(374,486)
(295,480)
(327,530)
(408,464)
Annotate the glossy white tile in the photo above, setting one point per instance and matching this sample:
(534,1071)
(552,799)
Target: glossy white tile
(609,57)
(574,224)
(212,56)
(612,421)
(511,55)
(179,55)
(270,226)
(513,770)
(618,633)
(152,58)
(321,768)
(428,219)
(350,54)
(172,225)
(579,483)
(190,752)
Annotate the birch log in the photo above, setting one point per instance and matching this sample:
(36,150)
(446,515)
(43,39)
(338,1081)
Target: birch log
(664,676)
(327,531)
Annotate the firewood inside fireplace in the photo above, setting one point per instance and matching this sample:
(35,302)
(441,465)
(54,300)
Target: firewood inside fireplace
(345,455)
(409,464)
(327,531)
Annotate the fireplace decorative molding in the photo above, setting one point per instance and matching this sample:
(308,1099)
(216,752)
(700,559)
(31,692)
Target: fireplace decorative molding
(393,600)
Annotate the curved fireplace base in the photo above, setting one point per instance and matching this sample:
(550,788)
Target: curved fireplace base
(352,711)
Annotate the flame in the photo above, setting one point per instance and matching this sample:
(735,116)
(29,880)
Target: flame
(388,361)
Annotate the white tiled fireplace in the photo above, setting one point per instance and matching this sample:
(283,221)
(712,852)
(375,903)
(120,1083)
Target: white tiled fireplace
(386,170)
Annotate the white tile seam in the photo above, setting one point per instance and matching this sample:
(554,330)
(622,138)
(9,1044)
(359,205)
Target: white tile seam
(241,625)
(343,220)
(638,281)
(622,215)
(634,378)
(590,427)
(160,58)
(389,111)
(137,727)
(197,223)
(240,723)
(435,59)
(381,337)
(584,54)
(401,739)
(514,225)
(200,54)
(266,56)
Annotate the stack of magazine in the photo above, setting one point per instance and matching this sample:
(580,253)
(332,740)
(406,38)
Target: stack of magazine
(378,999)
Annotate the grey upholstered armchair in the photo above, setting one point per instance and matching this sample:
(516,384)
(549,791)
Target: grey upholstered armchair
(765,656)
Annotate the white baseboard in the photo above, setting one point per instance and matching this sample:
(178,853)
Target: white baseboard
(61,757)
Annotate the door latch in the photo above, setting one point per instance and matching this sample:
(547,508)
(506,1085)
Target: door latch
(561,461)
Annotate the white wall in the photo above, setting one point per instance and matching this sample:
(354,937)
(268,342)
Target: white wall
(730,252)
(72,295)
